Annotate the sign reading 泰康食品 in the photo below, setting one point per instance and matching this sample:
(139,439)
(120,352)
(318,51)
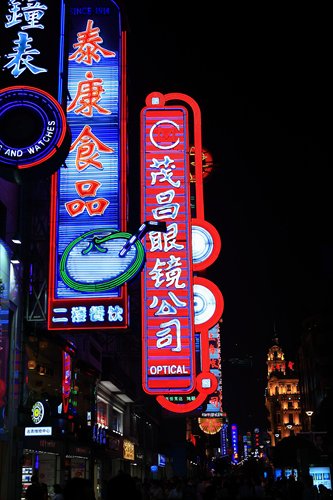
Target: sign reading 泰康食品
(88,200)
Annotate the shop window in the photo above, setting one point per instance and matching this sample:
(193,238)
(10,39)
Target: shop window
(102,414)
(116,421)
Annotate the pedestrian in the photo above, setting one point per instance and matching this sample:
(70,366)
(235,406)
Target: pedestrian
(309,491)
(57,492)
(121,486)
(34,491)
(176,490)
(45,491)
(78,488)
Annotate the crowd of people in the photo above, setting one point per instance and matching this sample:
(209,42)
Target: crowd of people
(235,486)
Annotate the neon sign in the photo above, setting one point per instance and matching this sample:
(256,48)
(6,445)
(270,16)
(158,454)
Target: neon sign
(167,298)
(32,44)
(210,425)
(206,307)
(214,404)
(87,286)
(66,380)
(37,412)
(34,135)
(43,140)
(27,16)
(112,269)
(234,443)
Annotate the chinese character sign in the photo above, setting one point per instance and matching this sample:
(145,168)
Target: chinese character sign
(32,43)
(167,288)
(214,403)
(234,443)
(89,195)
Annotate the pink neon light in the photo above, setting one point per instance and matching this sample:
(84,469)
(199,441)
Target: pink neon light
(66,380)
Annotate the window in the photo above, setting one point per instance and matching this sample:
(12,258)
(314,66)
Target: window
(102,414)
(116,421)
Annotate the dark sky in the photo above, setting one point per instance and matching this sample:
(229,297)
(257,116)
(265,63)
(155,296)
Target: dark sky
(262,78)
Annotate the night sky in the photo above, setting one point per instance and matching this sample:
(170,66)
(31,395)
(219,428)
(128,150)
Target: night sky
(262,78)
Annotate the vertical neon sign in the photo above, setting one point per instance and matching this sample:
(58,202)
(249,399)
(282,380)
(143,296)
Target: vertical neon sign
(161,133)
(234,443)
(214,405)
(88,196)
(66,380)
(167,287)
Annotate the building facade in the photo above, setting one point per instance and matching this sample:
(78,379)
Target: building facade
(283,398)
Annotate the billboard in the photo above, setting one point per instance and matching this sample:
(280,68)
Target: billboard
(321,475)
(87,277)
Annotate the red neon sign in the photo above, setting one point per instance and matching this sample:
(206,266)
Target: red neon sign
(206,245)
(167,284)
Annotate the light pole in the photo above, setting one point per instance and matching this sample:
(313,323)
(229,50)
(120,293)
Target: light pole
(309,414)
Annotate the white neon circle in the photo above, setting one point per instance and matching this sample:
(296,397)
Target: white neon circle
(202,244)
(160,122)
(204,304)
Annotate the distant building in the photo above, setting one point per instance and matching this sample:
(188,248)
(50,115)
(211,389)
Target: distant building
(282,398)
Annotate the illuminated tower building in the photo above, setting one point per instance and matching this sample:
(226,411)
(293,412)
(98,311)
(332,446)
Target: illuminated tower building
(282,398)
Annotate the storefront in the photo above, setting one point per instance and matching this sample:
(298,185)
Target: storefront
(43,457)
(77,462)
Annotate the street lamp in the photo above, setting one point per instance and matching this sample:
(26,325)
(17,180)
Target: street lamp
(289,426)
(309,414)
